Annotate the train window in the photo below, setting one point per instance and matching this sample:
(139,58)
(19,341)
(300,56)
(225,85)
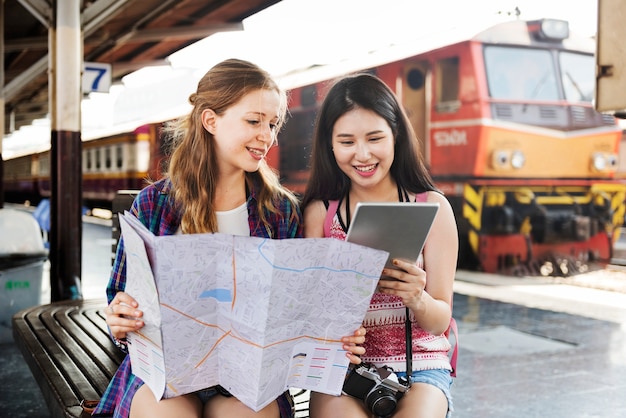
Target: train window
(578,74)
(89,161)
(44,164)
(97,160)
(521,74)
(308,96)
(447,76)
(415,79)
(295,142)
(21,167)
(107,158)
(119,152)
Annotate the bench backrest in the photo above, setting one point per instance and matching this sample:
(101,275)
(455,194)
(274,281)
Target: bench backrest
(123,201)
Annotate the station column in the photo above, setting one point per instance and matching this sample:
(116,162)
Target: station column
(65,52)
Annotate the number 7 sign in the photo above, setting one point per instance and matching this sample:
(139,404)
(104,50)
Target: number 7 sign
(96,77)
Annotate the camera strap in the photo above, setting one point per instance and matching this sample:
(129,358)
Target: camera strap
(409,347)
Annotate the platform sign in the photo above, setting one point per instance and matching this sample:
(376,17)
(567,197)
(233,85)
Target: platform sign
(611,57)
(96,77)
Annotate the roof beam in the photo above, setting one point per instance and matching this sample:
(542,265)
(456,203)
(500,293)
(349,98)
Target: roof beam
(11,89)
(179,32)
(98,13)
(125,67)
(93,16)
(40,9)
(16,45)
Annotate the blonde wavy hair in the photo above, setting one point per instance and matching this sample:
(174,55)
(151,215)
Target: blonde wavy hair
(193,167)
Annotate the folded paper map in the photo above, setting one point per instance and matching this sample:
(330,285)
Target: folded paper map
(254,315)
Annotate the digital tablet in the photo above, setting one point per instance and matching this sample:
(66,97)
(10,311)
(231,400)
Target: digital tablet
(399,228)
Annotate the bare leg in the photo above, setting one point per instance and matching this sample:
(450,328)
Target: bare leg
(144,405)
(422,401)
(223,406)
(328,406)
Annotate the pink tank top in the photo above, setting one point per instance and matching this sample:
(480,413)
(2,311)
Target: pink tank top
(385,342)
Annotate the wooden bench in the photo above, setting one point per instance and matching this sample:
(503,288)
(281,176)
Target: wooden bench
(69,352)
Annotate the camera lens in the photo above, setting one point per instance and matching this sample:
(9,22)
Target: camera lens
(381,402)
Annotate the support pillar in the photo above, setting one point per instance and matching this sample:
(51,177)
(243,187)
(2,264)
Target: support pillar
(65,52)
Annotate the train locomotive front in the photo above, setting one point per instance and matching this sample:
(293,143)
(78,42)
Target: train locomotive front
(510,135)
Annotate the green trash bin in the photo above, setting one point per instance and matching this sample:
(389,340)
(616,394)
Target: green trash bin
(22,257)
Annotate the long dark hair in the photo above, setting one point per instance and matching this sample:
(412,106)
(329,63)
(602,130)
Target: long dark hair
(366,91)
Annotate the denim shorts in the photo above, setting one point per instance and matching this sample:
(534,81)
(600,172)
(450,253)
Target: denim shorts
(439,378)
(285,402)
(206,394)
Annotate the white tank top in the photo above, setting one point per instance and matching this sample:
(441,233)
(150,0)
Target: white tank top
(234,221)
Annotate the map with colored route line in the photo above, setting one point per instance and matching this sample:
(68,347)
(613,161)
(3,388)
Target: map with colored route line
(254,315)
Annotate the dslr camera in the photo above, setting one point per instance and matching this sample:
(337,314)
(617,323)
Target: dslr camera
(378,387)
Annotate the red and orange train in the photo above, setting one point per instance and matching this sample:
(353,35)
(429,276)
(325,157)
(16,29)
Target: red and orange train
(508,129)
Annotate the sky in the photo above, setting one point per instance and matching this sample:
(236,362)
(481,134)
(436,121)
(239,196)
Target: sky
(293,35)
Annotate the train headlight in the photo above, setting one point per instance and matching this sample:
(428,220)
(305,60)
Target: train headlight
(518,159)
(612,162)
(603,161)
(598,161)
(552,30)
(500,159)
(506,159)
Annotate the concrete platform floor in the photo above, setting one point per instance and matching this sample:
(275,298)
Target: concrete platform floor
(528,348)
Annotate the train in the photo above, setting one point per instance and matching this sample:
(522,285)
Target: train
(507,125)
(122,161)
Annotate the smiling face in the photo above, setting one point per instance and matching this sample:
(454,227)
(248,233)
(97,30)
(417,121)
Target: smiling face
(363,145)
(245,132)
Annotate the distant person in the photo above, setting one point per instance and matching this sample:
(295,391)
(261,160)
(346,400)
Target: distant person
(218,181)
(364,150)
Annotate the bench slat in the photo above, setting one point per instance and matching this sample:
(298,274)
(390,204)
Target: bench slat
(70,357)
(40,365)
(91,361)
(90,322)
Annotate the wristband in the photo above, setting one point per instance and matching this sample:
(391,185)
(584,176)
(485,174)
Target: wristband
(121,343)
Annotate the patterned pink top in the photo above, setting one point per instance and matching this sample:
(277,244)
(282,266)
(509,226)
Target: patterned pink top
(385,342)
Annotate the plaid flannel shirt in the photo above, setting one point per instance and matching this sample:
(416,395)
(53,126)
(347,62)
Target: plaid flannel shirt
(156,210)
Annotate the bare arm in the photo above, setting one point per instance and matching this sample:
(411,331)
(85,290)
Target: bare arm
(430,296)
(314,216)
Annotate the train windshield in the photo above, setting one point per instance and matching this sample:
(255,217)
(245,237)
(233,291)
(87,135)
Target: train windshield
(578,74)
(520,74)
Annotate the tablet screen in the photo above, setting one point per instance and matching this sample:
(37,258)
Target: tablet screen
(399,228)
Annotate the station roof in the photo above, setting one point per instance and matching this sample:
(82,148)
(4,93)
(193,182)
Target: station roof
(128,34)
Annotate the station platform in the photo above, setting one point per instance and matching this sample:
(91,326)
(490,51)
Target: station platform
(528,347)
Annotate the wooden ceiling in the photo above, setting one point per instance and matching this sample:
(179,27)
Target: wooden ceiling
(129,34)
